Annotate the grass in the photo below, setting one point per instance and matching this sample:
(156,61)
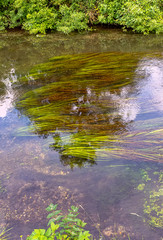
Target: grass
(4,235)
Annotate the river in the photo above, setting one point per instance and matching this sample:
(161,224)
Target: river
(81,123)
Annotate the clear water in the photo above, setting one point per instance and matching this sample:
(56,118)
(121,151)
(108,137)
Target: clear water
(33,174)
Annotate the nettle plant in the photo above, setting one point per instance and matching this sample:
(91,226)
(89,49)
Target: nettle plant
(61,226)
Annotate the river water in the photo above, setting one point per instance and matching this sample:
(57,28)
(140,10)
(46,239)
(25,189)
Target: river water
(84,128)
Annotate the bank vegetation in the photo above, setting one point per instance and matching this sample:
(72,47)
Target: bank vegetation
(42,16)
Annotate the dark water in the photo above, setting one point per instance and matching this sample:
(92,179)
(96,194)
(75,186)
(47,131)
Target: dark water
(84,129)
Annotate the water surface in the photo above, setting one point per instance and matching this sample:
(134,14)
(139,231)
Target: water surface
(83,128)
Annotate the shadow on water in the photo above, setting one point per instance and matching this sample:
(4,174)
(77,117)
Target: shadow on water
(96,105)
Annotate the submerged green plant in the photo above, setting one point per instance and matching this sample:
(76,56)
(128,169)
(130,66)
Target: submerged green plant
(2,189)
(2,88)
(153,206)
(62,227)
(65,227)
(77,100)
(4,235)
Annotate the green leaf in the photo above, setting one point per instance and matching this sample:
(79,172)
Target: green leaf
(69,219)
(54,227)
(51,220)
(58,218)
(84,235)
(75,209)
(50,215)
(48,232)
(43,238)
(71,215)
(51,207)
(83,224)
(57,212)
(42,231)
(37,231)
(35,237)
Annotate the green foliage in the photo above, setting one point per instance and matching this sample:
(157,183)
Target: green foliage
(2,88)
(67,95)
(34,16)
(61,227)
(145,175)
(4,233)
(57,115)
(142,16)
(71,20)
(40,16)
(141,186)
(153,206)
(5,9)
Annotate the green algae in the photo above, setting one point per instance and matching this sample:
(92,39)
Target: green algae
(2,88)
(74,99)
(152,187)
(109,68)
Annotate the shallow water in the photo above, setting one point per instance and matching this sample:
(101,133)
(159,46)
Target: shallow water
(83,132)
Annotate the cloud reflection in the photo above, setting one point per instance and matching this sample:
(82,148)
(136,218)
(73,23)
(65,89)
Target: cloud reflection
(151,88)
(6,101)
(147,95)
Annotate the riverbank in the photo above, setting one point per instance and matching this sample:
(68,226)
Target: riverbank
(42,16)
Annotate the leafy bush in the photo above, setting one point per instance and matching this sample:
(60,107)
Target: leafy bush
(5,8)
(142,16)
(34,16)
(40,16)
(61,227)
(71,20)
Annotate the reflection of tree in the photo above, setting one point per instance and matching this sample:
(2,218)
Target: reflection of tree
(74,98)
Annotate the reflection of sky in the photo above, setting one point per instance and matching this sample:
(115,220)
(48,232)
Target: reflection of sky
(145,96)
(127,106)
(149,96)
(150,92)
(151,89)
(6,102)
